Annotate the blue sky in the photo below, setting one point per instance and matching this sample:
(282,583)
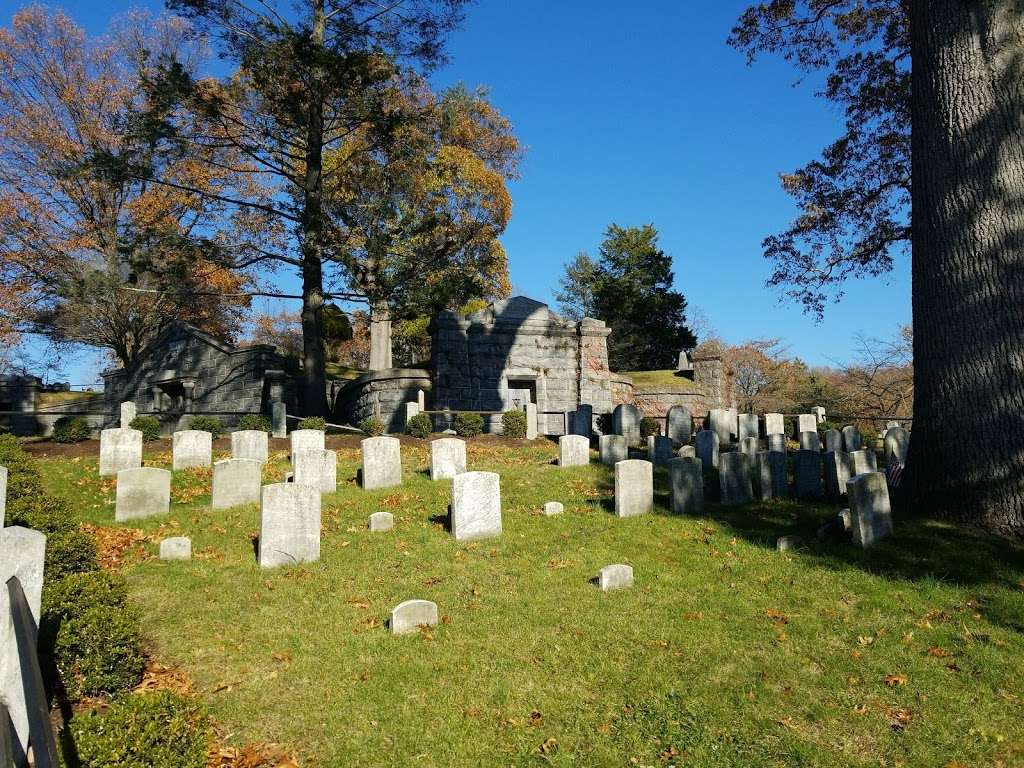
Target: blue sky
(639,113)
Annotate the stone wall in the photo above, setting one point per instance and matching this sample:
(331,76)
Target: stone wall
(382,394)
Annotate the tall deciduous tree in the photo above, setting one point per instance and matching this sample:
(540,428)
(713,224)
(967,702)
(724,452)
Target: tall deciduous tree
(933,93)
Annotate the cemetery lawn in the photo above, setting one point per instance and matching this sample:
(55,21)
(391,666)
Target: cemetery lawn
(725,653)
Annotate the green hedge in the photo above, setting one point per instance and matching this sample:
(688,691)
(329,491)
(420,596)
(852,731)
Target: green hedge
(210,424)
(420,425)
(513,424)
(149,426)
(371,426)
(99,651)
(71,429)
(151,730)
(256,421)
(649,426)
(468,424)
(313,422)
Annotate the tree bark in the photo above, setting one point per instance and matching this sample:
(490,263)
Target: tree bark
(967,450)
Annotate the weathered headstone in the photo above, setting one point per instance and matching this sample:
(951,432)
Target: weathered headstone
(771,475)
(316,467)
(235,482)
(819,413)
(191,448)
(774,424)
(810,441)
(750,445)
(584,420)
(706,444)
(22,554)
(409,616)
(720,422)
(626,422)
(634,487)
(895,445)
(176,548)
(870,513)
(421,400)
(863,461)
(686,486)
(382,462)
(786,543)
(832,439)
(532,429)
(839,469)
(777,442)
(381,522)
(807,474)
(411,409)
(734,475)
(616,576)
(142,492)
(250,444)
(476,505)
(659,449)
(119,449)
(307,440)
(553,508)
(806,422)
(734,428)
(447,458)
(613,449)
(128,414)
(3,495)
(279,419)
(851,439)
(573,451)
(747,426)
(687,452)
(679,424)
(289,525)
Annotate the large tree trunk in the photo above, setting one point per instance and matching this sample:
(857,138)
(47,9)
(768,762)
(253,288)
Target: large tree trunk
(967,450)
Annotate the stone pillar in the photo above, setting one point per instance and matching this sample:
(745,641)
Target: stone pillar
(189,385)
(380,336)
(158,399)
(279,419)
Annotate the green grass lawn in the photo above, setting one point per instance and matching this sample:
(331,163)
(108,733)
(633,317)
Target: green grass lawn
(655,379)
(725,653)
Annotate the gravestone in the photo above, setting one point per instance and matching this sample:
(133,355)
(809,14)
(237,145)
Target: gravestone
(807,474)
(531,421)
(119,449)
(421,399)
(634,487)
(750,445)
(774,424)
(626,422)
(447,458)
(128,414)
(870,513)
(22,554)
(191,448)
(306,440)
(3,495)
(573,451)
(317,468)
(734,429)
(863,461)
(777,442)
(476,505)
(679,424)
(838,470)
(686,486)
(381,521)
(250,444)
(851,439)
(687,452)
(382,462)
(176,548)
(616,576)
(279,419)
(142,492)
(819,413)
(289,525)
(747,426)
(659,449)
(409,616)
(236,482)
(411,410)
(734,475)
(771,475)
(786,543)
(806,422)
(613,449)
(810,441)
(584,420)
(720,422)
(553,508)
(833,440)
(706,445)
(895,445)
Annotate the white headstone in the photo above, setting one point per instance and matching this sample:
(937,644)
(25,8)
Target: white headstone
(532,429)
(806,422)
(634,488)
(250,444)
(748,426)
(447,458)
(819,413)
(573,451)
(616,576)
(191,448)
(613,449)
(421,400)
(235,482)
(381,522)
(476,505)
(409,616)
(176,548)
(119,449)
(306,440)
(720,422)
(318,468)
(128,414)
(863,462)
(839,468)
(870,513)
(895,444)
(774,424)
(553,508)
(289,525)
(687,452)
(411,409)
(142,492)
(3,495)
(382,462)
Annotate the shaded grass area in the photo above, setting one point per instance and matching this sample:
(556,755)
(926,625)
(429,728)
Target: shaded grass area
(725,653)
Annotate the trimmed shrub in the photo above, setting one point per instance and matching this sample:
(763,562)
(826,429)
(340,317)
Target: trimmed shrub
(99,651)
(313,422)
(371,426)
(468,424)
(513,424)
(150,730)
(420,425)
(69,596)
(71,429)
(149,426)
(70,552)
(41,512)
(649,426)
(256,421)
(210,424)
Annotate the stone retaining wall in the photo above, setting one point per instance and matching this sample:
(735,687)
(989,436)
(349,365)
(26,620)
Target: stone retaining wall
(382,394)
